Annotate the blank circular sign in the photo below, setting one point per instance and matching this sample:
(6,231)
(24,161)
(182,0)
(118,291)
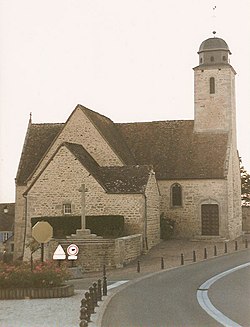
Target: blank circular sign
(42,232)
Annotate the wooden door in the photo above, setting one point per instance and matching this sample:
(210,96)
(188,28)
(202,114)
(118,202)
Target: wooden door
(210,219)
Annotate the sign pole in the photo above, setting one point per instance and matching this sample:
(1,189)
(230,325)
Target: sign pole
(42,252)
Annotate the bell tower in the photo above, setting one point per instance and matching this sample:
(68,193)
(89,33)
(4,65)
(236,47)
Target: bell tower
(214,89)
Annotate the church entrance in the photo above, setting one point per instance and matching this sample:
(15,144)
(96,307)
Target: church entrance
(210,219)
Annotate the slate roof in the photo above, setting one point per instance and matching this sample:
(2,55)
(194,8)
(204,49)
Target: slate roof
(175,151)
(171,147)
(7,218)
(39,137)
(115,179)
(118,179)
(37,141)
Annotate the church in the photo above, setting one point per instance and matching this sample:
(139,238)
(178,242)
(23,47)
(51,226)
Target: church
(186,171)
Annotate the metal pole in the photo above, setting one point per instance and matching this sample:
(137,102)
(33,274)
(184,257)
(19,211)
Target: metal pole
(42,252)
(182,259)
(194,256)
(162,263)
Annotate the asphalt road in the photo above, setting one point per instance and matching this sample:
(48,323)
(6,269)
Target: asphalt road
(169,298)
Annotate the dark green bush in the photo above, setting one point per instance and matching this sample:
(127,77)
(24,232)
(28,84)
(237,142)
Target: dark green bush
(167,227)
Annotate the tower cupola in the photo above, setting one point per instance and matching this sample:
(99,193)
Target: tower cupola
(214,51)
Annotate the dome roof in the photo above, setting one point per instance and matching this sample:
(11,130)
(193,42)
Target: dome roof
(214,43)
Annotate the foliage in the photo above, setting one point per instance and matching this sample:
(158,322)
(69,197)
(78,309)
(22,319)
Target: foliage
(167,227)
(110,226)
(44,274)
(245,187)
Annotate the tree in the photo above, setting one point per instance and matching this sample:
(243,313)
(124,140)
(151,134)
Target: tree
(245,186)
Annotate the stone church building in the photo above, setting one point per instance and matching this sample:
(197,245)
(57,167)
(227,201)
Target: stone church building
(186,170)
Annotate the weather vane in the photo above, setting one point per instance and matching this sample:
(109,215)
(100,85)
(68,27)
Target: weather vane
(214,19)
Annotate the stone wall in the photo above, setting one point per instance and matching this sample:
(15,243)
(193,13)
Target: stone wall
(152,203)
(60,183)
(246,219)
(195,193)
(19,227)
(95,252)
(214,112)
(234,195)
(78,129)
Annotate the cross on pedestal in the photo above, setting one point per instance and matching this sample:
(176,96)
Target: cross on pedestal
(83,217)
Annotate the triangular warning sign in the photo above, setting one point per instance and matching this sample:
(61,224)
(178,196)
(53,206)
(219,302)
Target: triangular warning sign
(59,253)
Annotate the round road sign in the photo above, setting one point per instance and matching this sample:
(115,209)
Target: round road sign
(42,232)
(72,249)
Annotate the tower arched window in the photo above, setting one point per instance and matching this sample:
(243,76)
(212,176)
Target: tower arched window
(212,85)
(212,58)
(176,195)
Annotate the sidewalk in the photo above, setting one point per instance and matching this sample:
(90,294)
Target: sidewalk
(170,251)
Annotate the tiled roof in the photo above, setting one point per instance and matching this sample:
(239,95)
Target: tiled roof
(175,151)
(7,216)
(118,179)
(38,139)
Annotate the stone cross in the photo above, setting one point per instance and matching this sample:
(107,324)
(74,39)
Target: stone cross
(83,217)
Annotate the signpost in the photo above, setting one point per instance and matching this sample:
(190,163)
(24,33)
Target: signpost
(59,254)
(42,232)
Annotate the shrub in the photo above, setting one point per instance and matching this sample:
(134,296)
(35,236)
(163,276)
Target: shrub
(167,227)
(19,275)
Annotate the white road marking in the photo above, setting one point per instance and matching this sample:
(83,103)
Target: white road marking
(119,283)
(205,303)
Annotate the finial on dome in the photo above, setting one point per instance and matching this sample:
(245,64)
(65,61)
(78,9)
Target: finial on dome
(214,32)
(30,117)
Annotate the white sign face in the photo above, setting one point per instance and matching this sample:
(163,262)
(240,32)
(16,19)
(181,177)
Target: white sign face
(72,251)
(59,253)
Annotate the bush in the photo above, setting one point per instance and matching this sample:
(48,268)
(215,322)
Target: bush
(19,275)
(167,227)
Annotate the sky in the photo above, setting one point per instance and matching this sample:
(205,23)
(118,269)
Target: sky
(129,60)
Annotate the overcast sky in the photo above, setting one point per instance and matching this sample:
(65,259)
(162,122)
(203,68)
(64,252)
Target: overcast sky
(129,60)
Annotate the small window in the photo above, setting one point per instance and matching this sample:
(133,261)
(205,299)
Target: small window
(224,58)
(212,85)
(5,236)
(67,209)
(176,195)
(212,58)
(201,60)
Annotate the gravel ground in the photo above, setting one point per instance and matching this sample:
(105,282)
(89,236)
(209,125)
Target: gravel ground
(58,312)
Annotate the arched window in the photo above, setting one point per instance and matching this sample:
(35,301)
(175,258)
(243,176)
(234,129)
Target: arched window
(224,58)
(176,195)
(212,58)
(212,85)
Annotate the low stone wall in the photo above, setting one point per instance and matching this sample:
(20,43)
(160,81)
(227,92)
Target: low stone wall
(127,249)
(36,293)
(246,219)
(96,252)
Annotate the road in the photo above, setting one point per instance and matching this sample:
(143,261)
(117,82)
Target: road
(168,299)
